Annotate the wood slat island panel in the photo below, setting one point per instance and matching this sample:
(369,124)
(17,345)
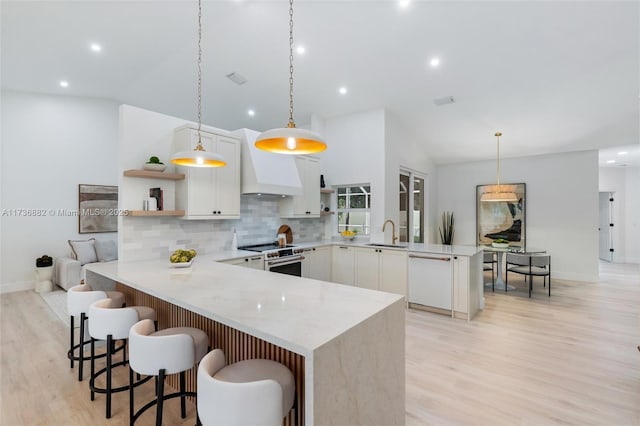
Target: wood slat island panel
(237,346)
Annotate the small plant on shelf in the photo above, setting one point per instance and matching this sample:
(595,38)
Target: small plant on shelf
(155,164)
(154,160)
(446,231)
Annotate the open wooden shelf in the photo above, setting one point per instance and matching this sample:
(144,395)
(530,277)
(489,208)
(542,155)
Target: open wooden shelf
(326,213)
(152,213)
(153,175)
(327,191)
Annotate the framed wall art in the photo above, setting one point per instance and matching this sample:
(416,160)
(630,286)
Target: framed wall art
(501,219)
(97,207)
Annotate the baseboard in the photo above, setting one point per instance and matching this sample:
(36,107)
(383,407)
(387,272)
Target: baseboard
(17,286)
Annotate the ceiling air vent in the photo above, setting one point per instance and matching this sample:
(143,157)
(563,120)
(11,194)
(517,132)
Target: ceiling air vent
(237,78)
(444,101)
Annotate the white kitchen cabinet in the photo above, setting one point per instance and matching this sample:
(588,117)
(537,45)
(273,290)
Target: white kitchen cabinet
(468,285)
(380,269)
(253,262)
(209,193)
(342,264)
(393,271)
(317,263)
(307,204)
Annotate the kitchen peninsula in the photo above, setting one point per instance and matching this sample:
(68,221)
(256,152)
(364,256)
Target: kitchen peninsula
(345,345)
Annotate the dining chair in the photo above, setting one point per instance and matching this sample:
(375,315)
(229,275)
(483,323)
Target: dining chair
(529,265)
(489,263)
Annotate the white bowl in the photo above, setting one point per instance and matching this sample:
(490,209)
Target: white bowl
(155,167)
(500,245)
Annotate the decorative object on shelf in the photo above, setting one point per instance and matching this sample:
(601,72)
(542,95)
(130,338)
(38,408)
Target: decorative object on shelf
(158,194)
(154,164)
(97,208)
(505,220)
(182,258)
(500,243)
(290,140)
(321,181)
(349,234)
(446,231)
(199,157)
(499,193)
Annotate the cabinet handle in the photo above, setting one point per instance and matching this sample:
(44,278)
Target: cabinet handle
(344,247)
(246,260)
(446,259)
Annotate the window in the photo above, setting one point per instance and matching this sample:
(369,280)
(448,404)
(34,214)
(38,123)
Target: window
(354,208)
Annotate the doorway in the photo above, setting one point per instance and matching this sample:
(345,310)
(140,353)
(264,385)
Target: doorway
(605,225)
(412,208)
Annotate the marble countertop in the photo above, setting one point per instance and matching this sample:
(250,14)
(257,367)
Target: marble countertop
(299,314)
(460,250)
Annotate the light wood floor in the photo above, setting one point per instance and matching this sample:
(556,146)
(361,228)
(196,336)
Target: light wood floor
(570,359)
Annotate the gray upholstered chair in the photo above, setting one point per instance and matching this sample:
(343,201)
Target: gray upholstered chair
(530,265)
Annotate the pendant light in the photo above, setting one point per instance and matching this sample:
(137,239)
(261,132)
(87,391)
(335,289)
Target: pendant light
(290,140)
(499,193)
(199,157)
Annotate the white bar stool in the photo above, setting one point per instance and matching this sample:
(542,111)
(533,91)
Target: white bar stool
(112,324)
(79,298)
(169,351)
(250,392)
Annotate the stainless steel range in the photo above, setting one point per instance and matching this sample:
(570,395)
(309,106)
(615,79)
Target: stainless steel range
(286,260)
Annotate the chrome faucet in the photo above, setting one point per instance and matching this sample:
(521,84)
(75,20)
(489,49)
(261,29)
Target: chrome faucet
(394,238)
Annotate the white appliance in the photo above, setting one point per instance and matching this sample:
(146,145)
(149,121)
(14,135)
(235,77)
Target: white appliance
(430,280)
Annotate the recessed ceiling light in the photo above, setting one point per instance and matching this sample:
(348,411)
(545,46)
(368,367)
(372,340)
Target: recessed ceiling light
(404,3)
(611,161)
(623,153)
(251,113)
(434,62)
(95,47)
(300,50)
(64,83)
(342,90)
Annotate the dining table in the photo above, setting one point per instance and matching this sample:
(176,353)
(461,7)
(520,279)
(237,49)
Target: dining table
(500,284)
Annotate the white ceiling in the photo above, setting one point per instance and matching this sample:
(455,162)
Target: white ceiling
(552,76)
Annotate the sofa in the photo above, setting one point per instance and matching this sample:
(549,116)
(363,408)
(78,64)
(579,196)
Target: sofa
(70,270)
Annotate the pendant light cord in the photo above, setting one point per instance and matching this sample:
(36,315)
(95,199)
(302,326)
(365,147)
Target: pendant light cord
(498,134)
(291,122)
(199,146)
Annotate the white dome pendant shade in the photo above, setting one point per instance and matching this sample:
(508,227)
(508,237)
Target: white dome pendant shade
(499,193)
(199,157)
(290,140)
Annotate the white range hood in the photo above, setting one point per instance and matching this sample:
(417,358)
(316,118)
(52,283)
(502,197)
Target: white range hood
(264,172)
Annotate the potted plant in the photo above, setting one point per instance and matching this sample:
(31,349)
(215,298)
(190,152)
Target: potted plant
(500,243)
(446,231)
(155,164)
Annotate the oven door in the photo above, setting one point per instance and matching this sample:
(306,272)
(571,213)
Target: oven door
(290,265)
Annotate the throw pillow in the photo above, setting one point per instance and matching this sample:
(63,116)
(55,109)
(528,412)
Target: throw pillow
(106,250)
(84,250)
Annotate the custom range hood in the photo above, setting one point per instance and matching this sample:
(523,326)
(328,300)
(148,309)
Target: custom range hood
(264,172)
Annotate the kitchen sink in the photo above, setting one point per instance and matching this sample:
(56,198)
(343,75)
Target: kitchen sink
(387,245)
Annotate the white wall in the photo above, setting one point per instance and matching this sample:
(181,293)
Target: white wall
(50,144)
(403,150)
(355,154)
(624,183)
(561,205)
